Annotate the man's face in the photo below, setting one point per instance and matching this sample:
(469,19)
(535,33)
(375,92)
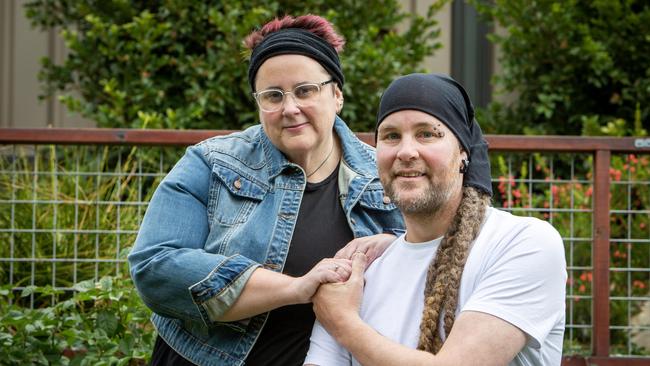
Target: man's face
(418,159)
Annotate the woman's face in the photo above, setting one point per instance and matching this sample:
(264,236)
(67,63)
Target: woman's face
(296,130)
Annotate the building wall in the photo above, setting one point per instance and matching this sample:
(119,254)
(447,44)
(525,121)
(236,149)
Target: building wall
(21,50)
(440,61)
(22,47)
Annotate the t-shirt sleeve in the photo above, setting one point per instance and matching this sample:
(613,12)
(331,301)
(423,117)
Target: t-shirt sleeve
(523,282)
(324,350)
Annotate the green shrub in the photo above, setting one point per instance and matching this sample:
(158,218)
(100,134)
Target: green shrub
(570,64)
(102,323)
(180,63)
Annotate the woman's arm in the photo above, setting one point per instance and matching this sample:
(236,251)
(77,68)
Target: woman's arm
(267,290)
(168,257)
(176,277)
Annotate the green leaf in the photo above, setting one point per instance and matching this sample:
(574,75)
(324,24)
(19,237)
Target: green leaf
(106,283)
(28,290)
(126,344)
(84,286)
(107,321)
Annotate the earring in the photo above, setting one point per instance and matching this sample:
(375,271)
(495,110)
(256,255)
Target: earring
(464,166)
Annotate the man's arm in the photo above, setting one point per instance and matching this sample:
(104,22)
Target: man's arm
(475,339)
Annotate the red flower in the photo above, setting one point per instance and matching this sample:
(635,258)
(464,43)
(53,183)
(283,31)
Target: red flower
(582,288)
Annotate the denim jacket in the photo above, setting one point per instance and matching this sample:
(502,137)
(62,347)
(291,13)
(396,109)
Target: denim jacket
(228,207)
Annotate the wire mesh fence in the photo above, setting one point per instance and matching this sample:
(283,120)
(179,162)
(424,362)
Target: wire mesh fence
(559,188)
(69,213)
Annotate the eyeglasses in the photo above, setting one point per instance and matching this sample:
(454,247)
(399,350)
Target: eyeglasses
(305,95)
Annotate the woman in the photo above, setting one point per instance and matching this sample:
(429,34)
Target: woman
(231,248)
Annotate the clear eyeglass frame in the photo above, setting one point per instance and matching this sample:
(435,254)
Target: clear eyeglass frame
(272,100)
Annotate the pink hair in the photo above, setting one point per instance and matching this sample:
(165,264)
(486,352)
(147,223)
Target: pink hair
(312,23)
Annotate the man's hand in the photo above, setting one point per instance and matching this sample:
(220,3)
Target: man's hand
(372,246)
(336,303)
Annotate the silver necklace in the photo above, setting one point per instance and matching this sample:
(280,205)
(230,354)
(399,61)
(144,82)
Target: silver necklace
(323,163)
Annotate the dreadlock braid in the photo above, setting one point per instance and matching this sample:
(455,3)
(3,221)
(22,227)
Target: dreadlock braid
(444,274)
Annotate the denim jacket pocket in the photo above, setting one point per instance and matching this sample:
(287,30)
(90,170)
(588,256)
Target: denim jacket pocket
(233,195)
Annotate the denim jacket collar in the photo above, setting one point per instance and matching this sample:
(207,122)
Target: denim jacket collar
(277,162)
(356,154)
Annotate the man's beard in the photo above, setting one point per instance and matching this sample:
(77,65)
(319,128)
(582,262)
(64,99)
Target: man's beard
(429,201)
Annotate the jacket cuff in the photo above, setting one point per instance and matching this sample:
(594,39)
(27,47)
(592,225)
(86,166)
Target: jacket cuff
(215,294)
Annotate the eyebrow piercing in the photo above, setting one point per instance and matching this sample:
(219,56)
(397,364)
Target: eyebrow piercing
(437,131)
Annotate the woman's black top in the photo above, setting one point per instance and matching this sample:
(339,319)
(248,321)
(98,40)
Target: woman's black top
(321,230)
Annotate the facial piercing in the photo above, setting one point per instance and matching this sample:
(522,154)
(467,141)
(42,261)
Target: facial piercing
(464,166)
(437,132)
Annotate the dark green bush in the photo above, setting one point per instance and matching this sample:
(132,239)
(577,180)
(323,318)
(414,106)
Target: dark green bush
(574,66)
(102,323)
(180,63)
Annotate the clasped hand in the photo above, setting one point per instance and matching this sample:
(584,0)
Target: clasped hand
(336,303)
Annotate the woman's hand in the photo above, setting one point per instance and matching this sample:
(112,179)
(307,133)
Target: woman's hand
(372,246)
(328,270)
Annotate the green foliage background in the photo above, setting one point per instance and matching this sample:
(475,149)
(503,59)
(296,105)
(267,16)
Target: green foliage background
(573,66)
(181,64)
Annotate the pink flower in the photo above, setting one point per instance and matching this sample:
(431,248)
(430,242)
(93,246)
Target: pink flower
(633,159)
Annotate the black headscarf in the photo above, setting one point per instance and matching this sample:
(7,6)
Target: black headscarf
(300,42)
(444,98)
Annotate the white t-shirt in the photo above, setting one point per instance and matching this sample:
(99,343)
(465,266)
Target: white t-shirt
(516,271)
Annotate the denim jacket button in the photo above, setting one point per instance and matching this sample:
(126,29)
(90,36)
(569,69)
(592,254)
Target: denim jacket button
(237,184)
(386,199)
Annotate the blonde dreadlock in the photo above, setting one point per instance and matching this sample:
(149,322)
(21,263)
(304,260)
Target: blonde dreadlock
(444,274)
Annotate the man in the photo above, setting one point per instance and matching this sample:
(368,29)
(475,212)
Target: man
(467,284)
